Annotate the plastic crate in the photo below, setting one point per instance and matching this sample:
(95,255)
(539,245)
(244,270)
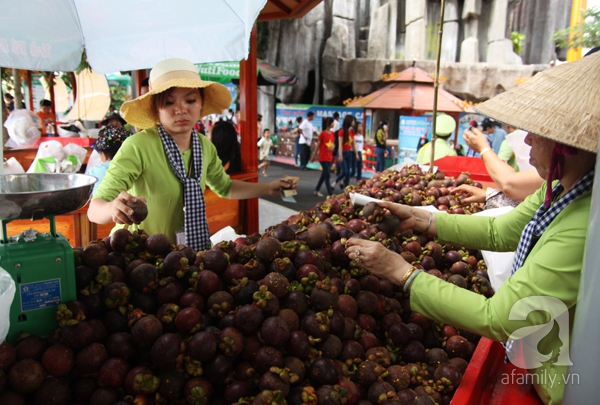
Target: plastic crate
(455,165)
(485,381)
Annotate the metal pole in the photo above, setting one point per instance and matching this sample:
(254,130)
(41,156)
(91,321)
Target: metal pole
(436,83)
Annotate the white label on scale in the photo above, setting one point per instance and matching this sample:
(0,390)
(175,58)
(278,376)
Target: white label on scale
(41,294)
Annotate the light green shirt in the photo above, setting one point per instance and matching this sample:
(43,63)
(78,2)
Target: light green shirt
(552,268)
(142,169)
(442,149)
(505,153)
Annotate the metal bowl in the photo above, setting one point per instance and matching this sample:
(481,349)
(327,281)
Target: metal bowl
(38,195)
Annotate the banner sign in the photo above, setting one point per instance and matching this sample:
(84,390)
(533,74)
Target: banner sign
(411,129)
(286,115)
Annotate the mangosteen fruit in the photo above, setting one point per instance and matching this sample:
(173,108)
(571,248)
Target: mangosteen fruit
(26,376)
(90,358)
(140,210)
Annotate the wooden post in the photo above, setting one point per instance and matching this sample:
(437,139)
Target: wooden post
(30,88)
(50,80)
(436,85)
(248,130)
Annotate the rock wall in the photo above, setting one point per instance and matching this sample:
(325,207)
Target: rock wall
(342,47)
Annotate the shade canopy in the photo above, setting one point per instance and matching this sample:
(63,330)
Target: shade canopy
(225,72)
(121,35)
(411,89)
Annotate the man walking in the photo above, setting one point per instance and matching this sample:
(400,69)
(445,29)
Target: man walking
(306,134)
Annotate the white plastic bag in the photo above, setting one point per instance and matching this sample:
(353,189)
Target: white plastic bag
(516,141)
(48,149)
(7,294)
(12,166)
(499,264)
(93,161)
(23,128)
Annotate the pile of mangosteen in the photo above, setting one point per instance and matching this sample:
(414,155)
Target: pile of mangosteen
(282,317)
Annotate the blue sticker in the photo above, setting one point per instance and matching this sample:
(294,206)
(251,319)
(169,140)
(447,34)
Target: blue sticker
(41,294)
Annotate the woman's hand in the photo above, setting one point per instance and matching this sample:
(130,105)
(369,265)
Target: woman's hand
(404,212)
(119,210)
(377,259)
(475,139)
(470,194)
(276,186)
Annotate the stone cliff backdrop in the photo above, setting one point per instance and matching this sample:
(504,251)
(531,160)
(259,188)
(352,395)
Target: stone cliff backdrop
(341,48)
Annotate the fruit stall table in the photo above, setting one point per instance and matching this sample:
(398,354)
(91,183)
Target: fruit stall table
(27,155)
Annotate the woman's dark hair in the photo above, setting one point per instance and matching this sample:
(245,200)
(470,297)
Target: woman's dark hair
(224,137)
(347,125)
(381,124)
(326,122)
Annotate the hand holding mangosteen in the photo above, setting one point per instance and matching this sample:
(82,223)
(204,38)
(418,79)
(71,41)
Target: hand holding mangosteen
(469,194)
(128,209)
(411,218)
(377,259)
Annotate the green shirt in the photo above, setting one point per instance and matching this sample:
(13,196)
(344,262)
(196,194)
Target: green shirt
(142,169)
(442,149)
(553,268)
(505,153)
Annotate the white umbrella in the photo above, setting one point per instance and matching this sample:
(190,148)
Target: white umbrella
(51,35)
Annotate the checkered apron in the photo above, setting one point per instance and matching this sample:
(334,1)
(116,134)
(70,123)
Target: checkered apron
(194,208)
(541,220)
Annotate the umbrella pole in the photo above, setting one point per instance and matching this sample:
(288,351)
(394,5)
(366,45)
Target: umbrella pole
(436,84)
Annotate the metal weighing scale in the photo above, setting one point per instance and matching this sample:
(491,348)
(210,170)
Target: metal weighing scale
(41,264)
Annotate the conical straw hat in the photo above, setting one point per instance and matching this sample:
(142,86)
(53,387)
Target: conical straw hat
(560,103)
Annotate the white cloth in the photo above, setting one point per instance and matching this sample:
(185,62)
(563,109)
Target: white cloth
(307,132)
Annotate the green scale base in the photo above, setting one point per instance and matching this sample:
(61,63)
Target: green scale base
(43,269)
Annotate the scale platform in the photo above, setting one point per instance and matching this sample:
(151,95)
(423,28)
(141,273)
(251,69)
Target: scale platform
(41,264)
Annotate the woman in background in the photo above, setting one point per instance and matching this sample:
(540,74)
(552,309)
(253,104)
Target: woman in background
(224,137)
(325,145)
(346,151)
(380,145)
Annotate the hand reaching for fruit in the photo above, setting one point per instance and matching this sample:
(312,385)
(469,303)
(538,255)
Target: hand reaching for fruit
(127,209)
(377,259)
(470,194)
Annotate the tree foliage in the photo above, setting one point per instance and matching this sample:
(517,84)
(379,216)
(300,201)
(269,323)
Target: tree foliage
(584,35)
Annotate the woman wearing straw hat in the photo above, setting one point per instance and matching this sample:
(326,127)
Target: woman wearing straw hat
(534,309)
(168,164)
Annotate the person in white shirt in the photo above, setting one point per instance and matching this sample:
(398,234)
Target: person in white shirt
(336,122)
(359,144)
(306,134)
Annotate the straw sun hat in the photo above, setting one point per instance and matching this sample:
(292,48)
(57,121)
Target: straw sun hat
(169,73)
(559,103)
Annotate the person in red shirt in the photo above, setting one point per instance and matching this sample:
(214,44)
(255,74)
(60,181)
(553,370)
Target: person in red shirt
(347,154)
(325,145)
(47,117)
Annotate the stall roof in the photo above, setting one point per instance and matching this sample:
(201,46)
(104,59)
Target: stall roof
(411,89)
(286,9)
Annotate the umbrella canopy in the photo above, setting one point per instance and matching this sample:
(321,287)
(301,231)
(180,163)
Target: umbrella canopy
(121,35)
(411,89)
(225,72)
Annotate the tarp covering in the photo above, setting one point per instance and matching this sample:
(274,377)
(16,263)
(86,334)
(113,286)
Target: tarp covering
(123,35)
